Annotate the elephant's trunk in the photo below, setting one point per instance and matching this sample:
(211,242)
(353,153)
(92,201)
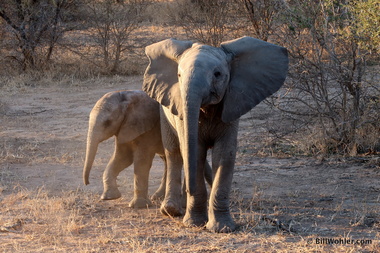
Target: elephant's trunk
(91,149)
(192,104)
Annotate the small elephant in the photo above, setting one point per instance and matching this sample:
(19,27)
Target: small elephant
(134,119)
(203,91)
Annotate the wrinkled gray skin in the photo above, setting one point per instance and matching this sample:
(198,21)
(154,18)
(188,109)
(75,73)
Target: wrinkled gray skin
(203,91)
(134,119)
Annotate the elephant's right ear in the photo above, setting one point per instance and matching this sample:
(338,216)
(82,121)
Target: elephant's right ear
(161,75)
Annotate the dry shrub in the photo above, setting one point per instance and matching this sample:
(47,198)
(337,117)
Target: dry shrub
(329,92)
(69,37)
(262,16)
(113,23)
(31,30)
(204,21)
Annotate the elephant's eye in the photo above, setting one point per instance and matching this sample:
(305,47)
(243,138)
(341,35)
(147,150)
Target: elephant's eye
(217,74)
(179,75)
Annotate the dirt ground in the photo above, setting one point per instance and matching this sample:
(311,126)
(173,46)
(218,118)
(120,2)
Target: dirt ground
(292,204)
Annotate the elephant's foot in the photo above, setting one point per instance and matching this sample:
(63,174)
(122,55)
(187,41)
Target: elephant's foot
(223,224)
(195,220)
(158,195)
(140,203)
(171,208)
(111,194)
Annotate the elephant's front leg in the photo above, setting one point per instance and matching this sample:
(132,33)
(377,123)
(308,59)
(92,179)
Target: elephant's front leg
(121,159)
(171,205)
(196,206)
(223,161)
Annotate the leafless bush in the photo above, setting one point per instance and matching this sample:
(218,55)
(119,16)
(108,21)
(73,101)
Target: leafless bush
(36,26)
(113,23)
(99,34)
(329,87)
(204,21)
(262,16)
(331,99)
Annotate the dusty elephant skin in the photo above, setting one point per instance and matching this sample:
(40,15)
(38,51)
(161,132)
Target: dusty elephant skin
(134,119)
(203,91)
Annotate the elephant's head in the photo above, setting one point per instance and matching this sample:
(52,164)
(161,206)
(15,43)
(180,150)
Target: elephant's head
(237,76)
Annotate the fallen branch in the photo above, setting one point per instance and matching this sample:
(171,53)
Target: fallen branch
(11,228)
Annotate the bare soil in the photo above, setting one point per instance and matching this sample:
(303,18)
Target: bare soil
(287,204)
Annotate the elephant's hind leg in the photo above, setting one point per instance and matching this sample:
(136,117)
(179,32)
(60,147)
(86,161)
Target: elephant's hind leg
(160,193)
(142,164)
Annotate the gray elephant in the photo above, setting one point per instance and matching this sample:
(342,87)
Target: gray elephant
(203,91)
(134,119)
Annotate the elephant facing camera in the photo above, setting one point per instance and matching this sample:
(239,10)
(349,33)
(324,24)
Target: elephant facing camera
(203,91)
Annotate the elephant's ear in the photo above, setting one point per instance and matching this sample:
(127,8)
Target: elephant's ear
(141,112)
(258,69)
(161,75)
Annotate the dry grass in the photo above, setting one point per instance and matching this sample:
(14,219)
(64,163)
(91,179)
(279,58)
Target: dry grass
(77,221)
(35,151)
(42,217)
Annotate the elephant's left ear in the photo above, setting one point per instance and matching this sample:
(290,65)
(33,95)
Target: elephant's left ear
(258,69)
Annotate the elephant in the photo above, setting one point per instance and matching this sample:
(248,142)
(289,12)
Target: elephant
(203,91)
(134,119)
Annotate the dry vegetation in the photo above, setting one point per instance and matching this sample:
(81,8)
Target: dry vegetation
(291,186)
